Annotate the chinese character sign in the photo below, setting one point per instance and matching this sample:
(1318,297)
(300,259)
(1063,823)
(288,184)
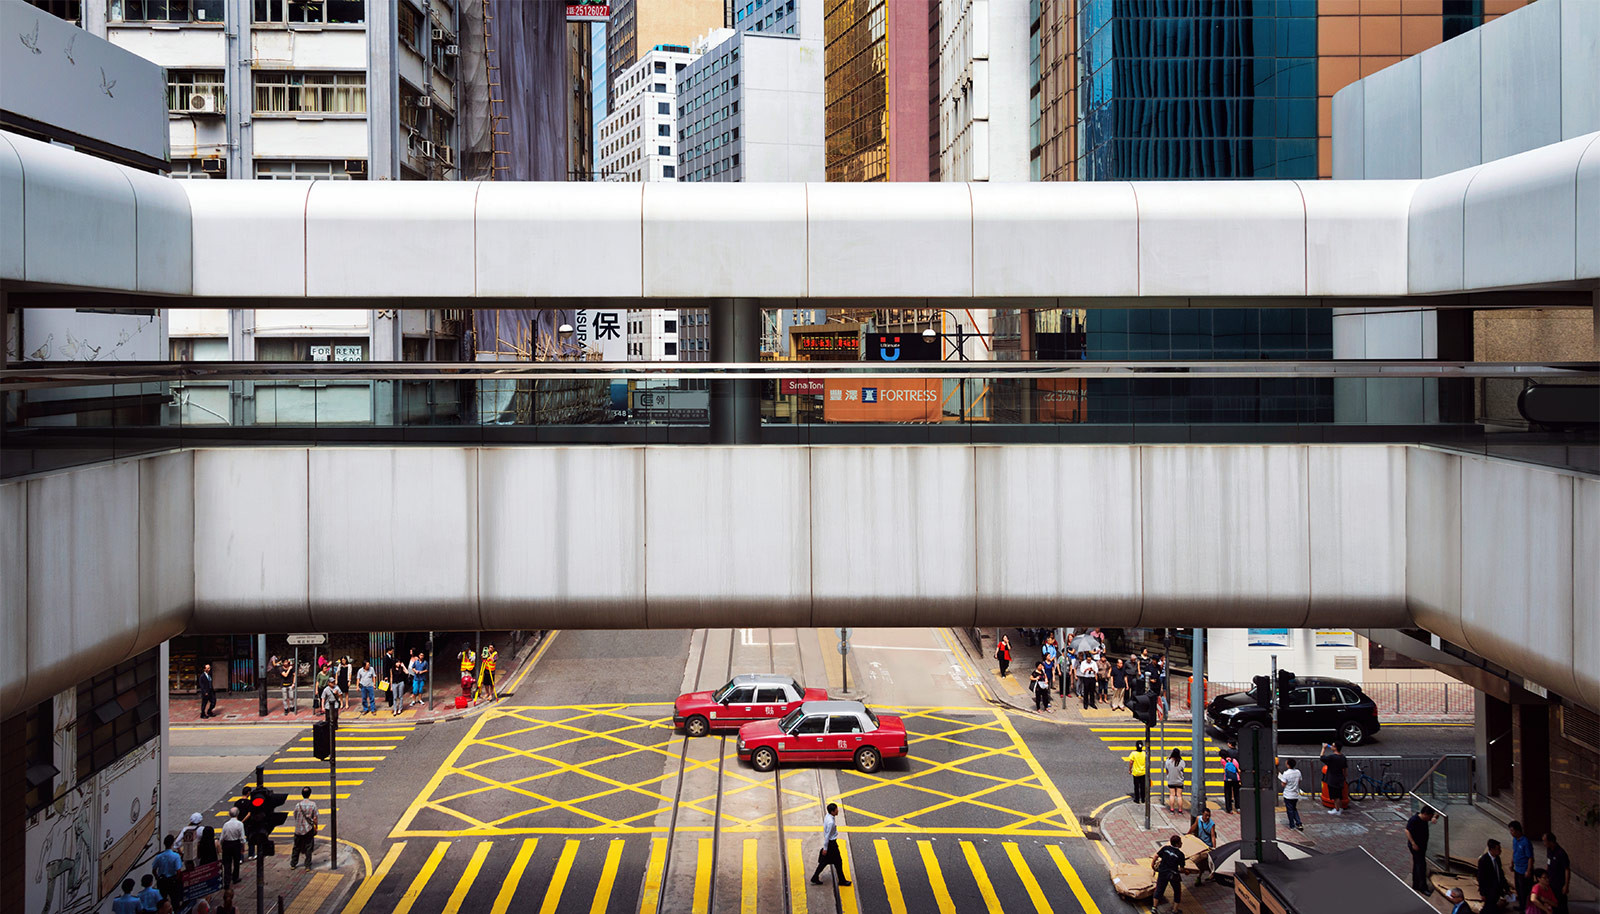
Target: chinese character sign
(602,332)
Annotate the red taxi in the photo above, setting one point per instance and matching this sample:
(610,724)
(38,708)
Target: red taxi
(746,697)
(825,731)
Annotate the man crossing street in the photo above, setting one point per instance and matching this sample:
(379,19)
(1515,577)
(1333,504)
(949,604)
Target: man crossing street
(830,855)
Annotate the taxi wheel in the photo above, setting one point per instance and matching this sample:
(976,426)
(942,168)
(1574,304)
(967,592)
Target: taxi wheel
(867,760)
(764,759)
(697,726)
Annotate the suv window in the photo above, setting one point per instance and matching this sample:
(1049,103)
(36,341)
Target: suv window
(769,696)
(740,695)
(844,723)
(811,725)
(1348,696)
(1299,697)
(1328,695)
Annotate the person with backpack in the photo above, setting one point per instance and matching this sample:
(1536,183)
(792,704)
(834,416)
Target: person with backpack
(1230,784)
(1002,653)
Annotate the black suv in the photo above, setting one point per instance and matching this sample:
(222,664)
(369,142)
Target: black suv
(1312,705)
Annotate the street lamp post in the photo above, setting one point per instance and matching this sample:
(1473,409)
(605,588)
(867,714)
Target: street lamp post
(961,334)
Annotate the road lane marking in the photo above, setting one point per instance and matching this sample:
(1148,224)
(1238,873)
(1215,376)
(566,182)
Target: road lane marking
(1071,875)
(1028,882)
(464,884)
(797,877)
(502,901)
(321,771)
(653,875)
(608,877)
(847,894)
(930,863)
(891,879)
(369,885)
(747,879)
(702,878)
(558,879)
(420,881)
(981,877)
(532,661)
(975,680)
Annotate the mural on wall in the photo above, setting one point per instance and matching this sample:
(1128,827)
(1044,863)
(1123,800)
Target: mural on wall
(81,846)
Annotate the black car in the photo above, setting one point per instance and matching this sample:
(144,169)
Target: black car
(1311,705)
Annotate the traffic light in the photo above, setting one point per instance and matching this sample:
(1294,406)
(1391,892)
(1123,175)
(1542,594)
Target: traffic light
(262,816)
(1285,681)
(1144,708)
(1261,690)
(321,740)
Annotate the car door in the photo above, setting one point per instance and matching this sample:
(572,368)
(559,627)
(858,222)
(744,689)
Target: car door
(770,704)
(1327,709)
(844,737)
(808,738)
(1295,714)
(738,706)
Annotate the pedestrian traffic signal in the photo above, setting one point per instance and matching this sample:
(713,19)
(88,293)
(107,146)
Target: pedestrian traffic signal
(321,739)
(261,816)
(1261,690)
(1144,709)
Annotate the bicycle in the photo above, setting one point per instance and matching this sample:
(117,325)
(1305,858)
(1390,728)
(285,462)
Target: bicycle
(1365,786)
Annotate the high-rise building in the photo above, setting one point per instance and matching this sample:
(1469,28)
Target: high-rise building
(598,107)
(653,335)
(877,87)
(636,26)
(581,132)
(639,138)
(984,81)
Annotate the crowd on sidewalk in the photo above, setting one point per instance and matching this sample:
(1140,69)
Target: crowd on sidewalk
(1083,668)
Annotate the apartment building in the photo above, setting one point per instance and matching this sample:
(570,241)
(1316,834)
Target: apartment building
(653,335)
(636,26)
(639,138)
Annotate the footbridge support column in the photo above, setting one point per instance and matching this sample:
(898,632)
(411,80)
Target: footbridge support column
(735,405)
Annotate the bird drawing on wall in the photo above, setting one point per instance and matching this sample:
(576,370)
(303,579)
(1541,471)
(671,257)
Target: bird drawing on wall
(70,42)
(106,85)
(45,350)
(31,40)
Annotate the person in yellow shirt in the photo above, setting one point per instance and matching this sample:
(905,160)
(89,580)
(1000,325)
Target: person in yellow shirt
(486,681)
(1139,767)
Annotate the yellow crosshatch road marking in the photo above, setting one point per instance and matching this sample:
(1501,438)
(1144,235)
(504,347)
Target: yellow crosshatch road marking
(608,769)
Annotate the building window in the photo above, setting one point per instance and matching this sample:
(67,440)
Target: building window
(661,66)
(311,93)
(663,107)
(320,12)
(660,87)
(663,130)
(443,61)
(195,91)
(663,150)
(669,348)
(118,711)
(160,10)
(194,169)
(410,24)
(669,326)
(668,171)
(298,170)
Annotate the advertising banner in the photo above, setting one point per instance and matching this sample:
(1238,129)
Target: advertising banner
(1061,400)
(601,331)
(1267,637)
(901,347)
(788,386)
(691,406)
(883,400)
(1334,637)
(588,12)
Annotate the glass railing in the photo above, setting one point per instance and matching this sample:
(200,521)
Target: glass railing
(61,415)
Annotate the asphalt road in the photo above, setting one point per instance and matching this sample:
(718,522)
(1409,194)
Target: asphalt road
(575,794)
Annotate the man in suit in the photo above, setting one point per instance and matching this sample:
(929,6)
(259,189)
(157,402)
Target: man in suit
(208,694)
(1491,877)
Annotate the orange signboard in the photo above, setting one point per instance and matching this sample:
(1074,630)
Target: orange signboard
(1061,400)
(883,400)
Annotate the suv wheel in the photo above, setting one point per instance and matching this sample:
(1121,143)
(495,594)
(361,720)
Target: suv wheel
(696,726)
(867,760)
(764,759)
(1351,733)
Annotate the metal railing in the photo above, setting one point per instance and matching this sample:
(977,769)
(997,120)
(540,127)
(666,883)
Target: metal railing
(1434,780)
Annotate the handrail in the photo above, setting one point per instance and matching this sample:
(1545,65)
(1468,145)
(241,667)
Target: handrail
(28,376)
(1435,767)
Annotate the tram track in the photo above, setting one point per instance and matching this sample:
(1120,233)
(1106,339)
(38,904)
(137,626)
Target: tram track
(683,764)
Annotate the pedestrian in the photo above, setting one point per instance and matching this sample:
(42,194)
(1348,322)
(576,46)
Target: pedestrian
(1491,877)
(1174,770)
(1559,868)
(1102,676)
(227,906)
(1139,769)
(1542,897)
(189,841)
(1417,843)
(1086,675)
(1335,771)
(1204,828)
(1041,688)
(206,846)
(1290,779)
(419,676)
(1002,653)
(489,662)
(167,867)
(1119,686)
(149,896)
(232,846)
(331,700)
(288,678)
(1168,864)
(342,671)
(208,693)
(321,682)
(399,681)
(1521,862)
(305,828)
(1230,785)
(829,855)
(1458,902)
(367,679)
(128,901)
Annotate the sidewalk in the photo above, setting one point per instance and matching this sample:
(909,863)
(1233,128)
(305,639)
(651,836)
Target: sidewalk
(304,890)
(244,708)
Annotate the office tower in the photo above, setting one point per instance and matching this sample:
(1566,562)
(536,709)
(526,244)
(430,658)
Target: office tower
(983,90)
(636,26)
(638,140)
(877,89)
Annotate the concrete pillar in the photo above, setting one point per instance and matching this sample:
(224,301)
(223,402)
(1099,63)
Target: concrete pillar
(239,88)
(383,91)
(735,337)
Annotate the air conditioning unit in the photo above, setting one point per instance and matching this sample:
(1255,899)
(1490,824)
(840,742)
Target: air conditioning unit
(452,50)
(355,168)
(447,155)
(424,101)
(201,103)
(213,167)
(438,34)
(425,149)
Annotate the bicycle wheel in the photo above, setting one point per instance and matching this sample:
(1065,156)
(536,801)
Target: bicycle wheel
(1393,789)
(1359,791)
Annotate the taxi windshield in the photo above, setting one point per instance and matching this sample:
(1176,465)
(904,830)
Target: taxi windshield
(788,723)
(722,693)
(872,717)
